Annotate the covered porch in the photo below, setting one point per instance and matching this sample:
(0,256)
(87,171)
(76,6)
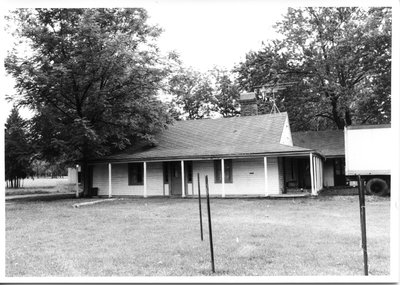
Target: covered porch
(302,174)
(228,176)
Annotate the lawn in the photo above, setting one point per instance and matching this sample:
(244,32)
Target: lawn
(42,186)
(160,236)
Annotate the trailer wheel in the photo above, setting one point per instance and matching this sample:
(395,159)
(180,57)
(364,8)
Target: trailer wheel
(377,187)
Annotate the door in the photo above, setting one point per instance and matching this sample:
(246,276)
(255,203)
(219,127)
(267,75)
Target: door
(339,172)
(176,178)
(303,166)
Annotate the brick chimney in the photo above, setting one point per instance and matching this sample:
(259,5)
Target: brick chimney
(248,104)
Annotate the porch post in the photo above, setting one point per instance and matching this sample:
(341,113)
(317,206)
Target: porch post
(144,179)
(321,169)
(316,174)
(312,173)
(183,178)
(223,177)
(266,175)
(319,177)
(109,181)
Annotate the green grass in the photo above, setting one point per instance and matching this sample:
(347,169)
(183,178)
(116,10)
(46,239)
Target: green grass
(155,236)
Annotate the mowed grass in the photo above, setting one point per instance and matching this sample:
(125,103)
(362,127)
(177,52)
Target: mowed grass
(42,186)
(160,237)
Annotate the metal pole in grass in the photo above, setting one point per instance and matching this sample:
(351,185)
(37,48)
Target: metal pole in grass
(201,220)
(209,227)
(361,195)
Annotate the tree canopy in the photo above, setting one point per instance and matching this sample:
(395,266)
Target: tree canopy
(338,61)
(226,93)
(192,91)
(199,95)
(92,79)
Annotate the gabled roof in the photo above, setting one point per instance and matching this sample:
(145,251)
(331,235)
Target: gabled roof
(208,138)
(328,143)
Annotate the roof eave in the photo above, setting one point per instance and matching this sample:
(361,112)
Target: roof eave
(205,157)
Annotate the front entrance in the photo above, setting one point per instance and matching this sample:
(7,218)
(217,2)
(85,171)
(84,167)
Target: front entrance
(176,178)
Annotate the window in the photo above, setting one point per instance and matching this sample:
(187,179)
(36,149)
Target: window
(189,171)
(166,172)
(339,166)
(135,174)
(228,171)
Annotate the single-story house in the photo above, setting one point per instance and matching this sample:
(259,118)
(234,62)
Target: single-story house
(247,155)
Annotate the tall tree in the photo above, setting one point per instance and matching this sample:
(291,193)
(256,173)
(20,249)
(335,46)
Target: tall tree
(18,151)
(193,93)
(340,59)
(226,93)
(92,80)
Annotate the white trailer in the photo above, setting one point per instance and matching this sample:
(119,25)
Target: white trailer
(368,152)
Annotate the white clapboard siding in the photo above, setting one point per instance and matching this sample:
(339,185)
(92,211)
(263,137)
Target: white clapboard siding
(120,181)
(248,177)
(281,175)
(328,173)
(206,167)
(100,178)
(154,178)
(320,172)
(119,175)
(286,137)
(273,176)
(166,189)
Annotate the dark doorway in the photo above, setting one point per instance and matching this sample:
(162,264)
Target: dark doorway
(303,168)
(339,172)
(176,178)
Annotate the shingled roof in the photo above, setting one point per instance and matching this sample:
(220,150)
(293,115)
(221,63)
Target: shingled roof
(329,143)
(208,138)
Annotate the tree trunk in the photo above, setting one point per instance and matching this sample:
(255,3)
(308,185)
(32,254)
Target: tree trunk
(347,117)
(86,179)
(340,123)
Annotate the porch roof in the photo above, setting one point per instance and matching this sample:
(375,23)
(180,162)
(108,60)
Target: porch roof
(329,143)
(209,138)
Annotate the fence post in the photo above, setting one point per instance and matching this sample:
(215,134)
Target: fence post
(361,195)
(209,227)
(201,219)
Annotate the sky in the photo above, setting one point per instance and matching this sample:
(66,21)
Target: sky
(213,33)
(204,33)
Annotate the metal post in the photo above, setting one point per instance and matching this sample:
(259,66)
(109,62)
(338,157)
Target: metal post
(77,183)
(144,179)
(209,227)
(201,219)
(109,181)
(363,222)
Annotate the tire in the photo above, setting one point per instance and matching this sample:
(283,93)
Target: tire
(377,187)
